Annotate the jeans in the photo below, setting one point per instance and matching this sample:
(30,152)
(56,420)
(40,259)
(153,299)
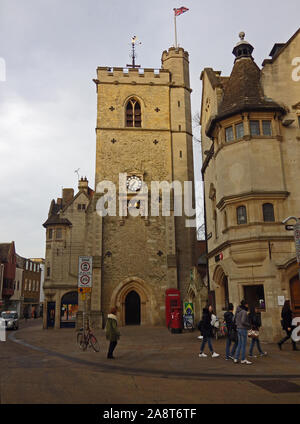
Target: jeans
(228,344)
(112,346)
(208,341)
(242,343)
(253,342)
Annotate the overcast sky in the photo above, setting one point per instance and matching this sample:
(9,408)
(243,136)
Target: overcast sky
(48,102)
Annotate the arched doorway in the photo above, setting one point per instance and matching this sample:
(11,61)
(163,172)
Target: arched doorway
(69,309)
(295,295)
(132,309)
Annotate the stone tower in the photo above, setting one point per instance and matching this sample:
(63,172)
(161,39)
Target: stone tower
(144,134)
(143,131)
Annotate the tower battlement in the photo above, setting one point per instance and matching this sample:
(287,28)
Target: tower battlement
(132,75)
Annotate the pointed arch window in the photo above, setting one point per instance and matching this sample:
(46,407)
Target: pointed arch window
(268,212)
(133,114)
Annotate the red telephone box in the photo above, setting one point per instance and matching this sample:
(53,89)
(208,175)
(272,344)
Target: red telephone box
(173,309)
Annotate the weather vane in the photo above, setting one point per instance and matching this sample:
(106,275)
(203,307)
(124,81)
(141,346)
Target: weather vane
(134,39)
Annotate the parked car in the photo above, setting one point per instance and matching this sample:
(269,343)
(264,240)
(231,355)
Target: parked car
(11,319)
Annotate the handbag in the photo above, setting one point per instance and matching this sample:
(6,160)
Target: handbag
(253,334)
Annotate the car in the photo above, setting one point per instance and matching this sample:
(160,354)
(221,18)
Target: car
(11,319)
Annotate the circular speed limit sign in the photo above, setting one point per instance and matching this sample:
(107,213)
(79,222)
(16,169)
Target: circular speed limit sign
(85,266)
(84,279)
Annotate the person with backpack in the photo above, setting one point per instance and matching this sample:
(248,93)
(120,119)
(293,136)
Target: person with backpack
(231,333)
(255,322)
(243,325)
(286,323)
(206,328)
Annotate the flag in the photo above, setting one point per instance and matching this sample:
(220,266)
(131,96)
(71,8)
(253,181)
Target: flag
(180,11)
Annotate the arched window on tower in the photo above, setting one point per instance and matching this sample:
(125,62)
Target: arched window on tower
(133,113)
(268,212)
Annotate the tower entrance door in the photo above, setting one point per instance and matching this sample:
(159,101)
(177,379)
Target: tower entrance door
(132,309)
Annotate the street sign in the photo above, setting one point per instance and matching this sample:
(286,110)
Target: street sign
(297,240)
(85,271)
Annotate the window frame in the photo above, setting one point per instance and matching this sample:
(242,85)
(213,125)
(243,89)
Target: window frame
(238,124)
(265,212)
(238,217)
(136,116)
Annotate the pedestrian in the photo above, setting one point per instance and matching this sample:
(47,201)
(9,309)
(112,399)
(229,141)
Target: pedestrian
(255,322)
(286,323)
(206,329)
(243,325)
(112,332)
(231,333)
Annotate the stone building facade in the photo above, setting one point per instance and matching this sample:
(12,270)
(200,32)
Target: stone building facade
(251,154)
(144,131)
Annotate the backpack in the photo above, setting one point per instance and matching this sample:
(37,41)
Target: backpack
(223,329)
(200,325)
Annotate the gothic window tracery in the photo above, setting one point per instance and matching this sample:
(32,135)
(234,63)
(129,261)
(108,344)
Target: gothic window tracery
(133,113)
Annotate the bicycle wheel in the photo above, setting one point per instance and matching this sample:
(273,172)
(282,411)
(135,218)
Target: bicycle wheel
(94,343)
(81,341)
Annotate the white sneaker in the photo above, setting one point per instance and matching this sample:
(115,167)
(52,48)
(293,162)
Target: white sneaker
(263,354)
(235,361)
(215,355)
(246,362)
(200,337)
(202,355)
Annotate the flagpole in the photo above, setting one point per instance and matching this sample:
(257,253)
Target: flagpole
(175,30)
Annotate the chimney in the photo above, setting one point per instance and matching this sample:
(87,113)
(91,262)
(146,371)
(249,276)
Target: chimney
(83,184)
(67,195)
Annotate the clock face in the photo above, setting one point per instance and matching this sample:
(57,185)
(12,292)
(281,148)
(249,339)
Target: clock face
(134,183)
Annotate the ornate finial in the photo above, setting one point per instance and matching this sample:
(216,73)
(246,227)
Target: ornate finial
(242,35)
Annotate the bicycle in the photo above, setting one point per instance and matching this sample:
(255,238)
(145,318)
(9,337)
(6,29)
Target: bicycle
(86,338)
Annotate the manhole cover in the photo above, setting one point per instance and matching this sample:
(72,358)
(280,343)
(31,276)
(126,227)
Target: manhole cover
(277,386)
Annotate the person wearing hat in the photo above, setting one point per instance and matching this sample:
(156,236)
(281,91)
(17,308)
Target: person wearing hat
(112,332)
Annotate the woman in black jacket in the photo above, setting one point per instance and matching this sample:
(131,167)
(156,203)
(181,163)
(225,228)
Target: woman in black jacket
(207,332)
(286,322)
(255,322)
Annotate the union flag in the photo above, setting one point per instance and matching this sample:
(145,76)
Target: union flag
(180,10)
